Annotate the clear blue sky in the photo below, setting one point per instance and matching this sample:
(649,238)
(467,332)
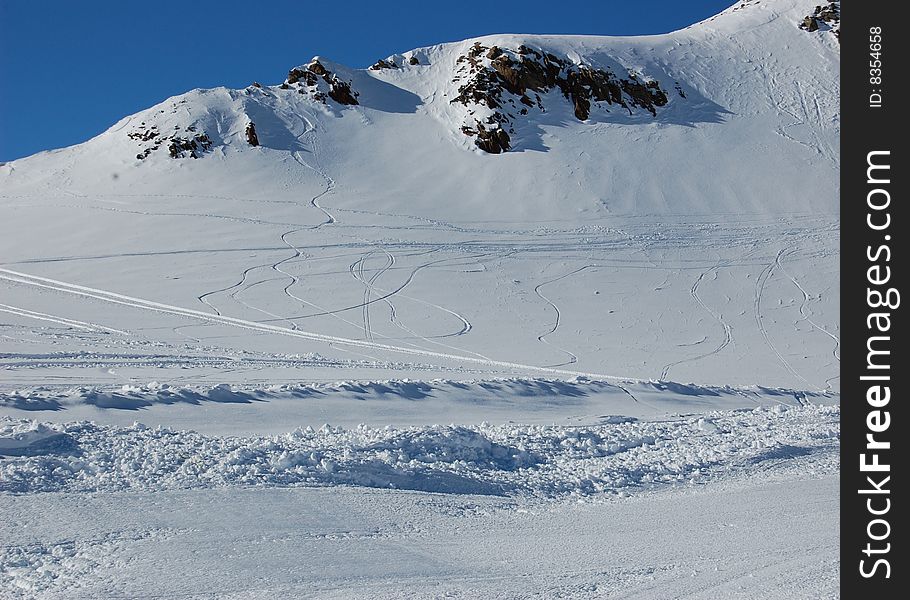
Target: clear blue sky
(69,69)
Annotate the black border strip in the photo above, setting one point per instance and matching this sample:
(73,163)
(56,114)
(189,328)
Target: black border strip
(873,273)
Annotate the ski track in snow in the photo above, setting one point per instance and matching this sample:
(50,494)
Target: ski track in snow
(805,311)
(794,105)
(204,297)
(542,338)
(239,287)
(23,312)
(728,331)
(52,284)
(357,272)
(465,324)
(386,294)
(357,269)
(760,284)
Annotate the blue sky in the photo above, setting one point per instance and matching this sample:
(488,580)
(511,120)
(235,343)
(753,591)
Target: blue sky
(70,69)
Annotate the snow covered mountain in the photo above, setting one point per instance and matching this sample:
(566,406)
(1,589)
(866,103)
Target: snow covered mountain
(610,263)
(655,207)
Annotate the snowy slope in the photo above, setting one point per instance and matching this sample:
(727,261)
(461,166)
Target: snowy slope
(697,243)
(574,298)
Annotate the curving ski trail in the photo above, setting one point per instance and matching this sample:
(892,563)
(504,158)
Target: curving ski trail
(728,330)
(139,303)
(542,338)
(760,284)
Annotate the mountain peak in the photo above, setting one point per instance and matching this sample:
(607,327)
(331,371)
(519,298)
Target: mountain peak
(518,95)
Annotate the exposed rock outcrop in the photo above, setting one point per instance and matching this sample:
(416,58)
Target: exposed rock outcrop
(306,76)
(496,78)
(251,137)
(316,67)
(144,135)
(320,83)
(824,17)
(179,146)
(498,87)
(341,92)
(382,64)
(493,140)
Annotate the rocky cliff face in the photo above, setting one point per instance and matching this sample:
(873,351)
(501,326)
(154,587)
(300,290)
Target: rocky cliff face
(509,82)
(318,82)
(180,143)
(824,18)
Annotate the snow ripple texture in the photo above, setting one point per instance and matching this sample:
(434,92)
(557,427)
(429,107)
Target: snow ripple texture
(545,462)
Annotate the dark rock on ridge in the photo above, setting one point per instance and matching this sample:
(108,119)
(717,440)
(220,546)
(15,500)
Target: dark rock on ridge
(195,146)
(824,16)
(178,146)
(338,90)
(382,64)
(251,136)
(495,76)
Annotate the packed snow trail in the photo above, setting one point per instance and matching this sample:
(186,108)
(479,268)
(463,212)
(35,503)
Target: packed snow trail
(23,312)
(60,286)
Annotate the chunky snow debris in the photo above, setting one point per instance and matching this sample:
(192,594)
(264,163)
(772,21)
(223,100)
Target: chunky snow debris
(533,460)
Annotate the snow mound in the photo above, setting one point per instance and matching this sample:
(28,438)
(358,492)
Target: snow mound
(539,461)
(33,441)
(564,392)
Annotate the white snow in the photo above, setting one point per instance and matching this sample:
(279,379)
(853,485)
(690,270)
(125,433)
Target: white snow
(546,461)
(602,364)
(732,540)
